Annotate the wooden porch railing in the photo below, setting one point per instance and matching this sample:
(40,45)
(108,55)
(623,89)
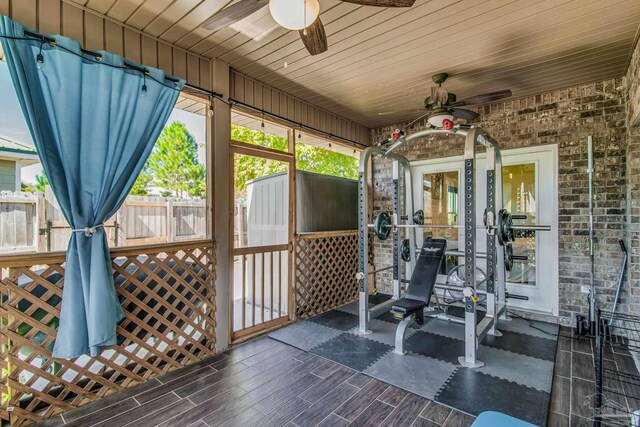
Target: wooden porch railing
(167,293)
(326,264)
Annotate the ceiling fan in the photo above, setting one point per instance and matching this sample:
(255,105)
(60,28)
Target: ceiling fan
(442,106)
(301,15)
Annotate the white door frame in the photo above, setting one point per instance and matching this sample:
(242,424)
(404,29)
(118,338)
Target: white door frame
(548,284)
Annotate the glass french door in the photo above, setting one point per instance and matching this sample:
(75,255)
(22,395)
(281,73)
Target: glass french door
(529,179)
(262,239)
(441,205)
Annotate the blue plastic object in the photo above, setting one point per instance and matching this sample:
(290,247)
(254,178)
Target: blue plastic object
(497,419)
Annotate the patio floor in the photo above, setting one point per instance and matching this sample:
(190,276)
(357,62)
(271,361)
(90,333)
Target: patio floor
(265,382)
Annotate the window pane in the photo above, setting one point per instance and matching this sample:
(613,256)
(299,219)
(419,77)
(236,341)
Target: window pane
(519,191)
(440,195)
(326,157)
(167,202)
(257,131)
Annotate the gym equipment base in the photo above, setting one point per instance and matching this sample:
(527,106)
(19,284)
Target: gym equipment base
(471,365)
(516,378)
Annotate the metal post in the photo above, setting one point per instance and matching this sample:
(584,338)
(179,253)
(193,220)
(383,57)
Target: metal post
(470,316)
(490,218)
(501,275)
(396,233)
(401,331)
(592,289)
(363,246)
(409,209)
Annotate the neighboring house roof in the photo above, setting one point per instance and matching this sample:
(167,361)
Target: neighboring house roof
(15,150)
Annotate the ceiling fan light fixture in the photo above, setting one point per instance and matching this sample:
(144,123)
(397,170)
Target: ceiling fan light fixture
(294,14)
(437,120)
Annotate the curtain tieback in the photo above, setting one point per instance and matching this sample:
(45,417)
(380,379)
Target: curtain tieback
(88,231)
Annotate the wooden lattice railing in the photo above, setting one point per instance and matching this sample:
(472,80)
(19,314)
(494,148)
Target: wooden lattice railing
(168,296)
(325,271)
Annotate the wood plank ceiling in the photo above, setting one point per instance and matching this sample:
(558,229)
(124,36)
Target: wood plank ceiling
(380,60)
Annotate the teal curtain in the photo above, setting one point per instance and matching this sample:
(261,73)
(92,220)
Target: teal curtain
(94,124)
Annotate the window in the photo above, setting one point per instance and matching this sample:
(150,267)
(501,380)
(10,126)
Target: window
(519,192)
(258,131)
(326,157)
(326,177)
(440,196)
(313,154)
(167,203)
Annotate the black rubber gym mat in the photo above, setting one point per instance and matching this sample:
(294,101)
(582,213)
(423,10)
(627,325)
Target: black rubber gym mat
(516,378)
(353,351)
(458,312)
(469,390)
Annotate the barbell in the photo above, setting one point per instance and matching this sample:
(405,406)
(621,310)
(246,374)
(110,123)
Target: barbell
(383,225)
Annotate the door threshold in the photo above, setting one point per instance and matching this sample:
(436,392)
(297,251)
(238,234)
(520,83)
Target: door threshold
(256,331)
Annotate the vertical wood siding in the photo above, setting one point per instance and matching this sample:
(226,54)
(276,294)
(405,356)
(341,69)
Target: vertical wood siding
(259,95)
(96,32)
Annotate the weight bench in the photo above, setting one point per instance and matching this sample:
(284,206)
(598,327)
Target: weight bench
(423,279)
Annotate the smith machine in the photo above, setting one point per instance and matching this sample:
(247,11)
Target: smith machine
(497,222)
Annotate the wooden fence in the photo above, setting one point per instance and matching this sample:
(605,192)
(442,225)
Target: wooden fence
(326,265)
(167,293)
(35,223)
(21,217)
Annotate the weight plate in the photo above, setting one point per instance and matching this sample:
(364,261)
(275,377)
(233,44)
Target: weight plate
(418,217)
(504,229)
(508,257)
(382,225)
(405,250)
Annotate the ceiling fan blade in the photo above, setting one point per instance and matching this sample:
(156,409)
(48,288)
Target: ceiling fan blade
(232,14)
(413,110)
(459,113)
(486,97)
(383,3)
(315,39)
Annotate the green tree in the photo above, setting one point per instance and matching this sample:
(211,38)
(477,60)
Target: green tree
(173,164)
(27,187)
(326,162)
(141,186)
(41,182)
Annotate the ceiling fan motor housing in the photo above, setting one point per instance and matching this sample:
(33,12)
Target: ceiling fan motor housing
(429,102)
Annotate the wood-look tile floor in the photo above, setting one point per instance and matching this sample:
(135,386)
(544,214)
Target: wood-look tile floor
(574,379)
(265,383)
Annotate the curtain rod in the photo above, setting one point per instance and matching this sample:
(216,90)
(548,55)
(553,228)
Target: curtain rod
(204,91)
(143,70)
(298,124)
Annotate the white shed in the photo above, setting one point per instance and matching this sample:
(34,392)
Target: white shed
(267,210)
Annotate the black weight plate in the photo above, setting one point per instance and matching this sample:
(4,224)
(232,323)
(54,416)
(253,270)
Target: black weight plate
(508,257)
(405,250)
(504,229)
(382,225)
(418,217)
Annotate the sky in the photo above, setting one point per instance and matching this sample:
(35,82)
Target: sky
(13,125)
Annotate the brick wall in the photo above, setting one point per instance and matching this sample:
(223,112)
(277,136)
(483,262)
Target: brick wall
(563,117)
(632,81)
